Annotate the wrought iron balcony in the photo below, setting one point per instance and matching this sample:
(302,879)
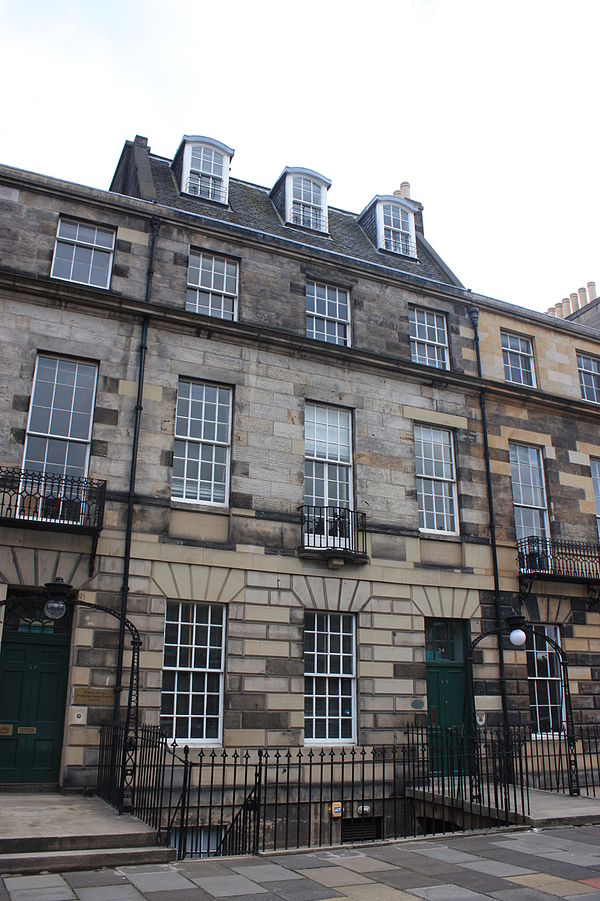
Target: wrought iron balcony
(39,500)
(559,560)
(334,532)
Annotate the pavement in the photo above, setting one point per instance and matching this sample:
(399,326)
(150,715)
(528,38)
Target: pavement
(527,865)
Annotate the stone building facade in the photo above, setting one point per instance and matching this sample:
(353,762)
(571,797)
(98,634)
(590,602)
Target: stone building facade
(309,552)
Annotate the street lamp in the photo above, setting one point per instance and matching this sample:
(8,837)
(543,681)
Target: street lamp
(516,625)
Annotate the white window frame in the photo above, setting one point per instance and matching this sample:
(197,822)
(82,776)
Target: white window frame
(399,238)
(202,159)
(324,306)
(68,509)
(86,240)
(328,462)
(540,653)
(185,667)
(327,665)
(428,331)
(216,278)
(523,492)
(517,357)
(436,472)
(595,473)
(316,218)
(203,436)
(589,366)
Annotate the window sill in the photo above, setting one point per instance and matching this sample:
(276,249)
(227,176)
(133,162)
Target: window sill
(440,536)
(200,507)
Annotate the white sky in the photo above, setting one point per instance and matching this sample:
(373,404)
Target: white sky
(488,108)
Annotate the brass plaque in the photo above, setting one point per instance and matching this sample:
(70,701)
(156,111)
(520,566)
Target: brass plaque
(6,728)
(26,730)
(93,697)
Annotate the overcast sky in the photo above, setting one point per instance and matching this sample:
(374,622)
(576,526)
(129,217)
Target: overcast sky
(489,109)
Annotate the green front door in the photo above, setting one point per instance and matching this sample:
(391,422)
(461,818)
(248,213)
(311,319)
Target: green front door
(33,685)
(445,642)
(445,695)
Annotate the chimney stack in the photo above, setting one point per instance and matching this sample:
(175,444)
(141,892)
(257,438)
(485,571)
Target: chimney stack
(403,191)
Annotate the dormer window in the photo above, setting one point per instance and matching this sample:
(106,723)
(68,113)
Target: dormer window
(205,168)
(300,196)
(307,203)
(206,173)
(389,222)
(396,227)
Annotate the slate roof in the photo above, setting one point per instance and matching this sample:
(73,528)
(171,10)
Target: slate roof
(250,206)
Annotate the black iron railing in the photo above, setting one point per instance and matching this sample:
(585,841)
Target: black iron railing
(216,802)
(29,498)
(309,217)
(401,244)
(206,187)
(543,760)
(337,530)
(559,559)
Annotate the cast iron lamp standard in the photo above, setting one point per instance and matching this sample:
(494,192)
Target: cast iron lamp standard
(57,597)
(516,627)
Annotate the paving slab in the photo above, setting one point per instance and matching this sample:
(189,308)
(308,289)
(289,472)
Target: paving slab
(126,892)
(303,890)
(227,886)
(84,878)
(160,882)
(265,872)
(449,892)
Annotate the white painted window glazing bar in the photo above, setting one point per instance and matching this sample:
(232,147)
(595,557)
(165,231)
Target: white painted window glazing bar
(330,678)
(517,356)
(529,491)
(546,700)
(206,173)
(193,670)
(327,314)
(328,457)
(428,338)
(436,480)
(201,452)
(83,253)
(589,377)
(307,203)
(397,231)
(212,286)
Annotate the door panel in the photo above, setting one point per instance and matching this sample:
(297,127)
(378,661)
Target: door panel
(33,679)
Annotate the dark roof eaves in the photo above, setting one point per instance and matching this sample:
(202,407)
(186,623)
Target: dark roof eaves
(268,237)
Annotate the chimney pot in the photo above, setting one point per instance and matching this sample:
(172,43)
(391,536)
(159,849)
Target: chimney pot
(591,290)
(403,191)
(551,311)
(559,309)
(567,306)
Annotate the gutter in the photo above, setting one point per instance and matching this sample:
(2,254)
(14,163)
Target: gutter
(155,225)
(474,317)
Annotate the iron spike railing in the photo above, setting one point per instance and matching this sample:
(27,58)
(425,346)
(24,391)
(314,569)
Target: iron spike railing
(214,802)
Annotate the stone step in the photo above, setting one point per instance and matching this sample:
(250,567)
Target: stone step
(83,859)
(144,837)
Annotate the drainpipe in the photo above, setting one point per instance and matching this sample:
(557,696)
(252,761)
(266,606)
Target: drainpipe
(154,225)
(474,317)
